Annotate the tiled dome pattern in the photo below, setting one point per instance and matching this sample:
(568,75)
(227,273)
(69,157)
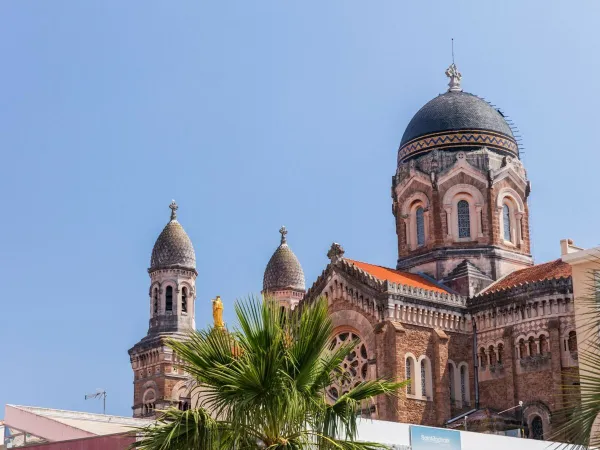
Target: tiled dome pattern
(283,271)
(454,111)
(173,248)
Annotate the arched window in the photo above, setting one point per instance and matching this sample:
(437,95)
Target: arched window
(464,219)
(155,301)
(500,351)
(451,381)
(543,345)
(423,379)
(169,299)
(492,354)
(532,346)
(409,376)
(522,349)
(184,300)
(572,342)
(537,428)
(420,226)
(463,383)
(482,358)
(506,222)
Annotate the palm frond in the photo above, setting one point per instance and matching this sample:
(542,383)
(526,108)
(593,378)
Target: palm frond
(183,430)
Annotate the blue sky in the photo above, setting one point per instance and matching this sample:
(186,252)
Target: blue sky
(251,114)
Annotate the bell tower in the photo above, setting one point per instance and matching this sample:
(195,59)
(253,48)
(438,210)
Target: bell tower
(158,382)
(460,193)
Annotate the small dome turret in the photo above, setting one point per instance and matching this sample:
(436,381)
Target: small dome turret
(283,270)
(173,248)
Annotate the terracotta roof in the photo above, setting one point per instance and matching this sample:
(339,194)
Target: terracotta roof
(539,272)
(397,276)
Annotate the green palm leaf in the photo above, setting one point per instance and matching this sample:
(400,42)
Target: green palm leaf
(262,386)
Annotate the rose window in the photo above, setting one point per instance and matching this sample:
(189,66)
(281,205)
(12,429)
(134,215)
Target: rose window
(354,368)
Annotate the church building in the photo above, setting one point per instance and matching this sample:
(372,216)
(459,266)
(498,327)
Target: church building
(465,314)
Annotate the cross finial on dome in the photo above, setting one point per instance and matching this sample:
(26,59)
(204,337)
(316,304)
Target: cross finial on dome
(283,232)
(174,209)
(455,77)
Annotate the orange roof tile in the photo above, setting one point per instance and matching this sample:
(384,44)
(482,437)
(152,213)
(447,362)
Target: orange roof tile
(546,271)
(397,276)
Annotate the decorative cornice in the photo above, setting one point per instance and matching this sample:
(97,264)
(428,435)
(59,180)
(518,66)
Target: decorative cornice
(563,285)
(383,286)
(461,138)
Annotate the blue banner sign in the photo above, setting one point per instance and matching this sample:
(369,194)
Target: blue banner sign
(426,438)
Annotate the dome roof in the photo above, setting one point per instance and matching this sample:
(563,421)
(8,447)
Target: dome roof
(456,119)
(173,248)
(453,111)
(283,270)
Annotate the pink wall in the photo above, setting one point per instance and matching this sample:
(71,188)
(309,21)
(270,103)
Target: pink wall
(112,442)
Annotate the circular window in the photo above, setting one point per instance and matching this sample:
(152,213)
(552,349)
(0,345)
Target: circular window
(354,368)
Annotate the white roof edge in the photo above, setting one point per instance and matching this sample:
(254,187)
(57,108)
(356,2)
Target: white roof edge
(66,414)
(582,256)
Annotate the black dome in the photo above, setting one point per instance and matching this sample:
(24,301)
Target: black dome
(454,111)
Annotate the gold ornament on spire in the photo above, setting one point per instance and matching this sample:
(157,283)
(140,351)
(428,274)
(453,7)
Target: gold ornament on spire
(217,306)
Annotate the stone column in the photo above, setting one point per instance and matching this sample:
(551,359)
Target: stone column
(557,381)
(390,364)
(511,360)
(441,396)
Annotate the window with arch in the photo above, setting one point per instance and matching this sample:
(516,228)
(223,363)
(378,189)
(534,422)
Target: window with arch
(169,299)
(506,222)
(184,299)
(522,349)
(425,381)
(410,375)
(537,428)
(464,219)
(423,378)
(482,358)
(355,367)
(492,354)
(155,300)
(463,383)
(420,219)
(500,353)
(532,346)
(572,341)
(543,345)
(451,381)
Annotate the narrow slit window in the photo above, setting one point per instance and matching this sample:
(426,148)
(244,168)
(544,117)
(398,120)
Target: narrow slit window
(169,299)
(184,300)
(420,226)
(408,376)
(423,379)
(155,301)
(464,220)
(506,220)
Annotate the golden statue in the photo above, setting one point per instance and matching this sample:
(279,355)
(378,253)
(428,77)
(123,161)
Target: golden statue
(218,312)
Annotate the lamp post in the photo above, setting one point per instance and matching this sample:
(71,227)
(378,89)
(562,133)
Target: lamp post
(520,405)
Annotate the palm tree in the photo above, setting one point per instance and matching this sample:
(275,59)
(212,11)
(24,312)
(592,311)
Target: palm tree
(263,386)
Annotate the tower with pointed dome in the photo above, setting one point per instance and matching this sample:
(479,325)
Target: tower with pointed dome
(460,193)
(284,277)
(158,382)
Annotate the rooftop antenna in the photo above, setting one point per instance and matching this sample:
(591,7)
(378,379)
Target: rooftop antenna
(99,394)
(452,50)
